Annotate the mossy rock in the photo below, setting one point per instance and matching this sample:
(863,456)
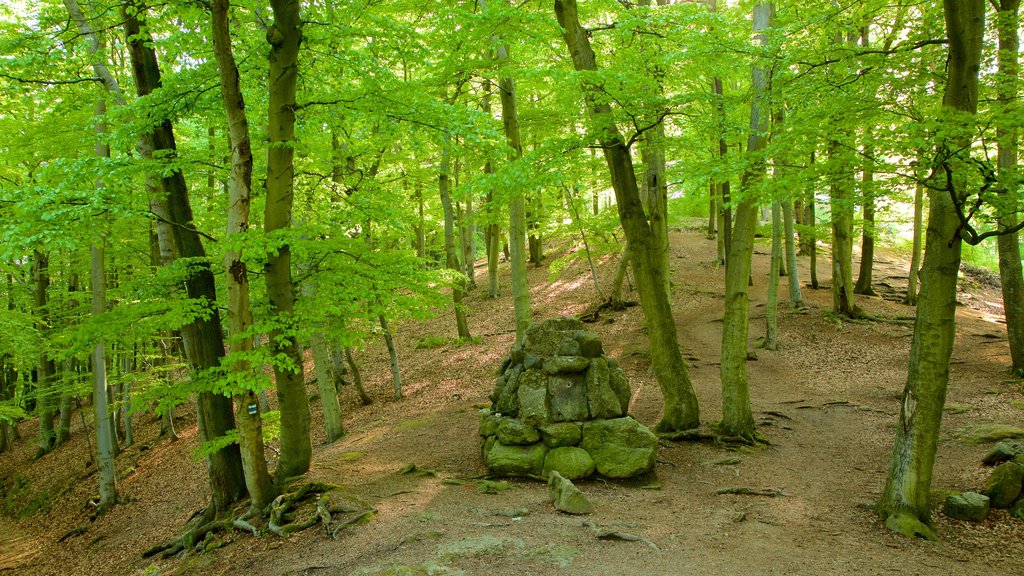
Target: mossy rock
(1017,510)
(561,434)
(1004,485)
(589,344)
(602,400)
(621,447)
(505,460)
(569,461)
(507,401)
(566,497)
(532,394)
(969,506)
(567,397)
(513,432)
(1003,451)
(566,365)
(489,423)
(908,525)
(992,433)
(617,380)
(546,338)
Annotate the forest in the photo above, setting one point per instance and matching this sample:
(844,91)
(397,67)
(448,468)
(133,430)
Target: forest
(329,287)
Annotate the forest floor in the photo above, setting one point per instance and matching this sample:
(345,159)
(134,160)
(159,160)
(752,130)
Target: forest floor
(827,401)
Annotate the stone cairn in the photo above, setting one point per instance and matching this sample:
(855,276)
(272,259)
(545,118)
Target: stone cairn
(560,405)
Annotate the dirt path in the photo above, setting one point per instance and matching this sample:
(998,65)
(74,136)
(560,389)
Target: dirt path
(827,401)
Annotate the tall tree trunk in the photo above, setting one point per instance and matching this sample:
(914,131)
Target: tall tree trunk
(357,379)
(396,373)
(517,209)
(915,255)
(1009,244)
(249,424)
(105,451)
(284,37)
(867,242)
(771,335)
(793,275)
(451,256)
(905,503)
(492,232)
(680,411)
(737,419)
(841,203)
(202,338)
(467,228)
(421,227)
(712,210)
(46,372)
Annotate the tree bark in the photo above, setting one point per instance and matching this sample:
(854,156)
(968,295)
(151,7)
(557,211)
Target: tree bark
(793,275)
(46,371)
(1007,138)
(841,203)
(737,418)
(905,502)
(284,37)
(915,255)
(202,338)
(517,209)
(771,334)
(867,241)
(680,410)
(248,422)
(451,256)
(396,373)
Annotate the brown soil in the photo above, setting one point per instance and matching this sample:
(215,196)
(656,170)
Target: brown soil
(827,401)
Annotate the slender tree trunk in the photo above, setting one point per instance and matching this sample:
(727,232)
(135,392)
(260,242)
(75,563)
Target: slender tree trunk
(712,210)
(248,423)
(326,385)
(1009,244)
(905,503)
(46,371)
(467,228)
(793,275)
(284,37)
(357,379)
(867,242)
(451,257)
(680,410)
(737,419)
(620,276)
(202,338)
(915,257)
(104,438)
(841,202)
(517,209)
(396,373)
(771,335)
(421,227)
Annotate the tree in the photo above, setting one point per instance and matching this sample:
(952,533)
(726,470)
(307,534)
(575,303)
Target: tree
(284,37)
(680,403)
(247,410)
(905,502)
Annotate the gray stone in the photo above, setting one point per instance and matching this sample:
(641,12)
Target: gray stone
(589,344)
(572,463)
(545,338)
(1002,452)
(567,398)
(507,403)
(1004,485)
(621,448)
(566,365)
(569,348)
(966,506)
(517,355)
(533,362)
(562,434)
(489,423)
(601,399)
(617,380)
(513,432)
(566,497)
(533,397)
(515,460)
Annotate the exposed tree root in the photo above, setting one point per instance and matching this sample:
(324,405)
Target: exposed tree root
(331,500)
(730,441)
(744,491)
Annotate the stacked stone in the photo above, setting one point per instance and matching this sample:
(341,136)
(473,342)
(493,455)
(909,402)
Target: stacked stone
(1005,486)
(560,405)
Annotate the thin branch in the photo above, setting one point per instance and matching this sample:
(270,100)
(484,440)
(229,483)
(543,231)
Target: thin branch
(49,82)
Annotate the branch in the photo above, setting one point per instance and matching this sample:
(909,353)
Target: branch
(156,216)
(49,82)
